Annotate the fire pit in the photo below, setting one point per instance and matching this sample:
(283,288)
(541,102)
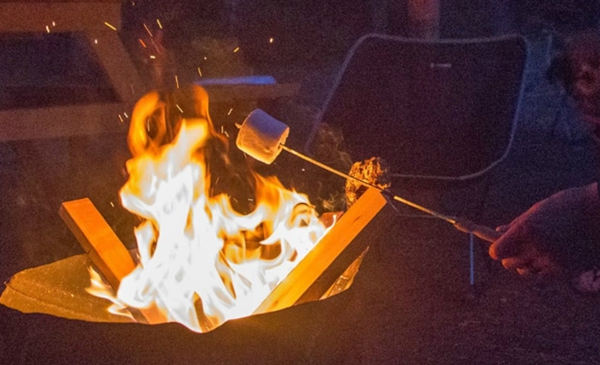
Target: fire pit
(311,273)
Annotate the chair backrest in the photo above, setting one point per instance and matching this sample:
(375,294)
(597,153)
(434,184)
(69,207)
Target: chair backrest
(443,109)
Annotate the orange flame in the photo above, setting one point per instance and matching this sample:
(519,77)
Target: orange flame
(201,262)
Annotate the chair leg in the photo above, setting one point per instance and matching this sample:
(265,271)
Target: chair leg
(471,260)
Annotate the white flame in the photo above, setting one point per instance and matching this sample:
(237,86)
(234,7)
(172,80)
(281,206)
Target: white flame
(202,263)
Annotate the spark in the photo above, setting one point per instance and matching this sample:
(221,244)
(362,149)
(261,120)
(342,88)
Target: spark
(126,116)
(205,58)
(120,118)
(158,22)
(230,110)
(226,134)
(54,24)
(177,82)
(133,3)
(112,204)
(221,129)
(199,71)
(236,49)
(110,25)
(152,56)
(47,29)
(148,30)
(142,42)
(178,107)
(95,41)
(271,40)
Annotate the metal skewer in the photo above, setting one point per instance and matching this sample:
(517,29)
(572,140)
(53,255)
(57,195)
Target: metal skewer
(263,137)
(486,233)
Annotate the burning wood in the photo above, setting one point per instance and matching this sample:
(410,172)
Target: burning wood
(334,253)
(98,240)
(201,262)
(308,281)
(103,247)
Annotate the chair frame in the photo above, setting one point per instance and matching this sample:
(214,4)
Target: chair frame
(517,111)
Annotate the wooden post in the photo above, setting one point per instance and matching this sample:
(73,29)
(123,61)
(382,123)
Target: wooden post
(358,228)
(103,247)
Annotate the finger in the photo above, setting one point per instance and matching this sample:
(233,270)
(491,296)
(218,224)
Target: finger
(526,271)
(502,229)
(528,265)
(498,248)
(534,270)
(528,256)
(505,246)
(515,263)
(510,243)
(531,270)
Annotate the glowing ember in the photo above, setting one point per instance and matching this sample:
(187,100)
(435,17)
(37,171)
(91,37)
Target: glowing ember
(110,26)
(201,262)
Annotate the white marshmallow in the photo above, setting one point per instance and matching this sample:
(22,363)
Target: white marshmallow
(261,136)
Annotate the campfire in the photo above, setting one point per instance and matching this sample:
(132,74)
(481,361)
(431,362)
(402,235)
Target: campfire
(199,260)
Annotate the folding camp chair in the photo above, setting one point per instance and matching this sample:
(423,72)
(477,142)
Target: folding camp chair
(442,113)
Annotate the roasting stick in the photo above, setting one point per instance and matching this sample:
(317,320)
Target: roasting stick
(486,233)
(448,219)
(263,137)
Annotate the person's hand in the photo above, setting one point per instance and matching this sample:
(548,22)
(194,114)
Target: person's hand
(560,233)
(522,250)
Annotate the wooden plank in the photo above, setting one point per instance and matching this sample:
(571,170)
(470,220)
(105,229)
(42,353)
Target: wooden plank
(104,249)
(358,228)
(20,16)
(61,121)
(60,1)
(230,93)
(98,240)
